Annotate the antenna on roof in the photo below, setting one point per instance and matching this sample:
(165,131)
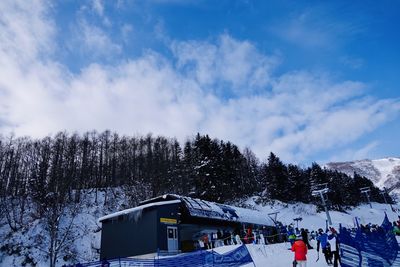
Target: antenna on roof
(322,190)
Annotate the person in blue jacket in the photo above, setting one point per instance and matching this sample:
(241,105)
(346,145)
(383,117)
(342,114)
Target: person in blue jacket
(291,236)
(322,239)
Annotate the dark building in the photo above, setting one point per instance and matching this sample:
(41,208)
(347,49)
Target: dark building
(172,223)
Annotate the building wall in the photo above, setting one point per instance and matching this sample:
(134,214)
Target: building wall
(169,212)
(121,237)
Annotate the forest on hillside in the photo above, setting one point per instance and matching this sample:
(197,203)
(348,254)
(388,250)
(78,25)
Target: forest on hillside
(211,169)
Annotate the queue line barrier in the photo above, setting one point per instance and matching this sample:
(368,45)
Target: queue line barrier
(369,249)
(234,258)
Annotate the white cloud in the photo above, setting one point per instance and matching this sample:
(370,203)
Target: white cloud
(237,63)
(296,114)
(98,7)
(94,41)
(25,30)
(315,28)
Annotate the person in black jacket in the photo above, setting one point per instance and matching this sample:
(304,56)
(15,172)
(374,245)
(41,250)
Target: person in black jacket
(304,236)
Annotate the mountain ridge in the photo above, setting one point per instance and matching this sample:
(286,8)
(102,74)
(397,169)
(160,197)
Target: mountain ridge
(384,172)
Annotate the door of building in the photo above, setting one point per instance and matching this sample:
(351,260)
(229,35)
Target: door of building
(172,238)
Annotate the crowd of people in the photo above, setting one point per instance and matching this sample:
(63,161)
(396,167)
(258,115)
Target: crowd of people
(375,228)
(209,239)
(327,242)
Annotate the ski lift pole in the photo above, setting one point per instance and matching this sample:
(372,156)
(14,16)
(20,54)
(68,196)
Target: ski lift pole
(384,193)
(357,223)
(321,193)
(277,226)
(366,191)
(328,216)
(297,221)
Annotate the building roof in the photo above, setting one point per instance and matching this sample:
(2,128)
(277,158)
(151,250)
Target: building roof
(138,209)
(206,209)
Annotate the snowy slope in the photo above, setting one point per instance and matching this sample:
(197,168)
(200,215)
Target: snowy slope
(313,220)
(278,255)
(31,244)
(383,172)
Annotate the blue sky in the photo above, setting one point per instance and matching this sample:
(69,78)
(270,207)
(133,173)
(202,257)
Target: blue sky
(310,81)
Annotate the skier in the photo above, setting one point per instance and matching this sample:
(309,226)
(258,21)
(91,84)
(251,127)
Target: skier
(226,236)
(254,237)
(283,234)
(233,238)
(262,240)
(304,235)
(219,240)
(322,239)
(313,235)
(249,235)
(238,241)
(334,244)
(300,251)
(396,229)
(206,241)
(201,244)
(219,235)
(291,236)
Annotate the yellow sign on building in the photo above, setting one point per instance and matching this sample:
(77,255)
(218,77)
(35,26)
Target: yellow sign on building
(168,220)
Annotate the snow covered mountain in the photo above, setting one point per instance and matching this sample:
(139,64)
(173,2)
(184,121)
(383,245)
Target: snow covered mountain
(382,172)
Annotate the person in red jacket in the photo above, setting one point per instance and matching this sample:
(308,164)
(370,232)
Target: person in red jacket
(300,251)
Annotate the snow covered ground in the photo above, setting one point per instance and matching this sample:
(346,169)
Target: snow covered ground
(30,243)
(279,255)
(276,255)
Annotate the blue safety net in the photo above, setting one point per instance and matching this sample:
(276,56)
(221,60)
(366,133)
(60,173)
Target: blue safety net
(363,247)
(234,258)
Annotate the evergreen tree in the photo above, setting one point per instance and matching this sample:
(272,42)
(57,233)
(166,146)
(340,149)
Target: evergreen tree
(250,180)
(276,178)
(298,184)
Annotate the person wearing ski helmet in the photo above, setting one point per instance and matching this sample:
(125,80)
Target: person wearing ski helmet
(322,239)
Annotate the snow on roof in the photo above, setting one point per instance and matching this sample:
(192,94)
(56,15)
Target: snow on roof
(206,209)
(138,208)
